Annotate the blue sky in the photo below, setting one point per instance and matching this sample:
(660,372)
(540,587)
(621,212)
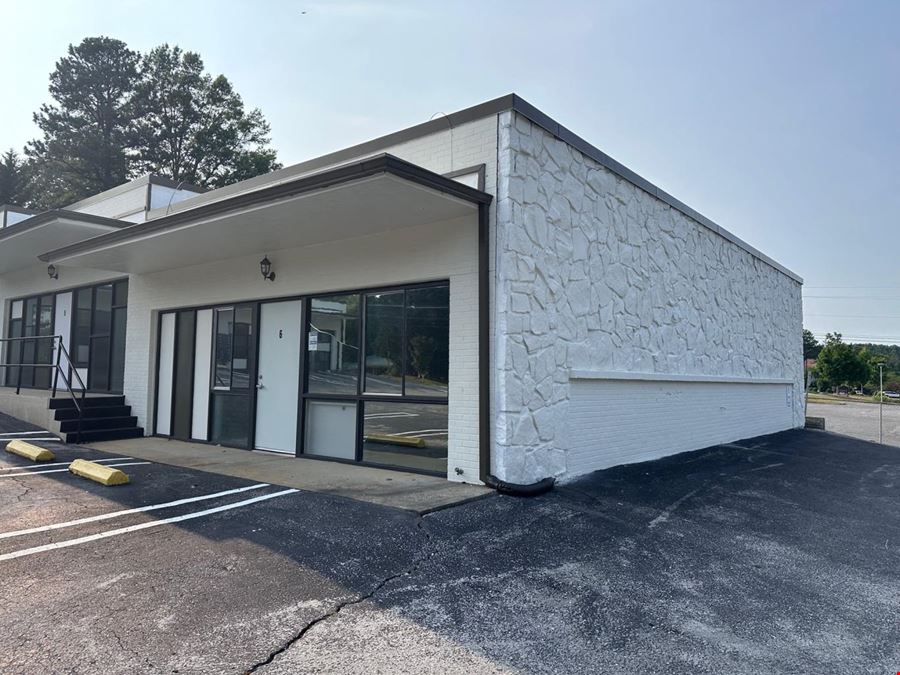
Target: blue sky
(778,120)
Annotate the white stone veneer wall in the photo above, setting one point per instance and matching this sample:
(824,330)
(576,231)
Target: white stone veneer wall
(595,274)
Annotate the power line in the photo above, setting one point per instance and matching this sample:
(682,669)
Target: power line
(855,316)
(880,288)
(849,297)
(861,338)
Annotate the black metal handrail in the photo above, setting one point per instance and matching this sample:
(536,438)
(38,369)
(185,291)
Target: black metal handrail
(60,349)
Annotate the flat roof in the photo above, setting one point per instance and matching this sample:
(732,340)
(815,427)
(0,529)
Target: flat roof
(145,180)
(512,102)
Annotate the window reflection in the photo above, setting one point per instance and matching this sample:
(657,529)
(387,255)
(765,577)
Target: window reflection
(333,344)
(411,435)
(427,341)
(241,346)
(384,343)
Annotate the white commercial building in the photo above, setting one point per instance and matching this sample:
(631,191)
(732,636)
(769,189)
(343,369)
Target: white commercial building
(482,294)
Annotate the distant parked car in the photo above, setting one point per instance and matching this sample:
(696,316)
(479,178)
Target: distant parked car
(892,394)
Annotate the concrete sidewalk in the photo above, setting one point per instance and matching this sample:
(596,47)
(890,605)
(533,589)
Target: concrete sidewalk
(398,489)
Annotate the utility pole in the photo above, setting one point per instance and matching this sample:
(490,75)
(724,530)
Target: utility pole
(881,403)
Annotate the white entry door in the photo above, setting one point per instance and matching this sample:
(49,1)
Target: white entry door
(279,376)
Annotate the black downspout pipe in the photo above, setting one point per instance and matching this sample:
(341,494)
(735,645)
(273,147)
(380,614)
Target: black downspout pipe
(519,489)
(484,344)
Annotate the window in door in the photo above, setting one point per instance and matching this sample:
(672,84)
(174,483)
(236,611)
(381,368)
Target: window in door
(232,372)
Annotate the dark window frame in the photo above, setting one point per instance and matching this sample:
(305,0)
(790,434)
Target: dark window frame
(359,398)
(70,338)
(29,375)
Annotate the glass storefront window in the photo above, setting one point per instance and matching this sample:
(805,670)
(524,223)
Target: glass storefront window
(411,435)
(406,348)
(427,341)
(31,316)
(333,345)
(117,363)
(98,374)
(384,343)
(102,310)
(120,294)
(96,313)
(81,334)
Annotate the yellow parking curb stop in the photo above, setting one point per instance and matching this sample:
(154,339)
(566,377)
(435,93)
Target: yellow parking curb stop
(29,451)
(410,441)
(105,475)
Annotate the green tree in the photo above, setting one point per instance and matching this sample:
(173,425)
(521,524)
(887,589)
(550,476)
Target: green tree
(811,346)
(193,127)
(85,148)
(14,184)
(842,364)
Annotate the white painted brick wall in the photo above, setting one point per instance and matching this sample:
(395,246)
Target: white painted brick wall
(614,422)
(423,253)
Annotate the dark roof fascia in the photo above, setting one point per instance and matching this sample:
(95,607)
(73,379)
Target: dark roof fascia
(58,214)
(366,168)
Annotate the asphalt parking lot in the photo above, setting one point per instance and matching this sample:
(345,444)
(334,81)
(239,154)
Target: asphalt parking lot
(778,554)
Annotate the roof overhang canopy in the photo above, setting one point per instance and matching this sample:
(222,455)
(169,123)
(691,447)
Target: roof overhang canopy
(364,198)
(21,244)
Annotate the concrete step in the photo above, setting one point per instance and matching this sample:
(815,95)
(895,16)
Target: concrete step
(92,423)
(103,435)
(89,401)
(94,411)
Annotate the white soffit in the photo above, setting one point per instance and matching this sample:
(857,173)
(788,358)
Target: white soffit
(358,208)
(22,243)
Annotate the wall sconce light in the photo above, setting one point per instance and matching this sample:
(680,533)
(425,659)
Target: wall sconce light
(52,272)
(265,268)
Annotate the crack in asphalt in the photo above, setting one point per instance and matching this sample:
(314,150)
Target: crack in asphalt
(338,608)
(25,488)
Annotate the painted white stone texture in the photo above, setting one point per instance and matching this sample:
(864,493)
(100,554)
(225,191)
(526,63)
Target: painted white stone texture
(595,274)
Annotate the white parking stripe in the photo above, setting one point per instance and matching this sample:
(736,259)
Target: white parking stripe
(23,433)
(32,473)
(42,465)
(119,514)
(29,438)
(141,526)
